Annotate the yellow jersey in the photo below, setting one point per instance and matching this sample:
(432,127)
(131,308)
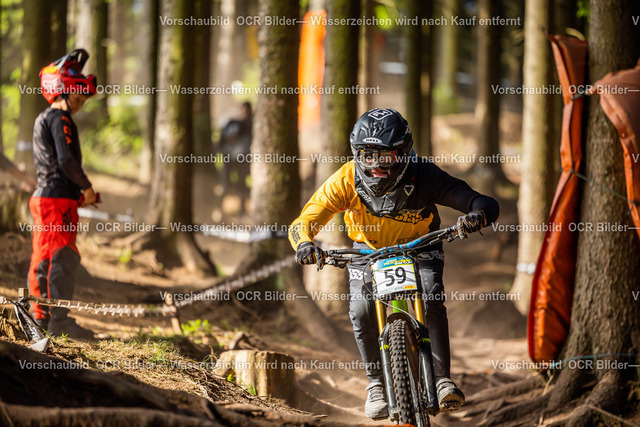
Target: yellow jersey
(418,217)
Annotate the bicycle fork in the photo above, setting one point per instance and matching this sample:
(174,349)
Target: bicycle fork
(383,340)
(424,348)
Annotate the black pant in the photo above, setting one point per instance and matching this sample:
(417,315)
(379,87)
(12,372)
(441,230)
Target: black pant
(362,312)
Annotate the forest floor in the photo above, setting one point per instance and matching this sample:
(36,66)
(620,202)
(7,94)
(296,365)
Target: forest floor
(488,336)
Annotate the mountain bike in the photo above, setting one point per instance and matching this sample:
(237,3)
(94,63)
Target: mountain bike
(407,361)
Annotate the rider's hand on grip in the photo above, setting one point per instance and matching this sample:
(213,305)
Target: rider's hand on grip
(308,253)
(471,222)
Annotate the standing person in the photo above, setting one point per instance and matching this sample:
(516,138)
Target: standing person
(235,141)
(390,197)
(62,186)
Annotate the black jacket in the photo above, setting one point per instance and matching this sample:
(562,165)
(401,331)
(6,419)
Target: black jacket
(57,155)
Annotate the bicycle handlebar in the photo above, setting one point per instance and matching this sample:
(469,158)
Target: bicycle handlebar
(335,257)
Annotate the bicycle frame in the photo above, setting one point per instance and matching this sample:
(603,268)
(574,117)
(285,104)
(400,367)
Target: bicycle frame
(425,358)
(428,400)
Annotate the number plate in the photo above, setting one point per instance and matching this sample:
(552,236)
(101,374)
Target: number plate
(394,275)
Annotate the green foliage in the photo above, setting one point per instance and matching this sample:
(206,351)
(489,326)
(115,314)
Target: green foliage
(113,146)
(196,327)
(160,352)
(250,79)
(583,9)
(225,324)
(58,339)
(11,20)
(444,101)
(124,256)
(10,112)
(389,11)
(250,388)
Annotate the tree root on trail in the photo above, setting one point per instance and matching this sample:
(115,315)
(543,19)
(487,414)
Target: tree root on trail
(18,415)
(64,395)
(588,415)
(518,387)
(311,318)
(607,396)
(570,385)
(172,250)
(192,257)
(517,410)
(592,400)
(31,377)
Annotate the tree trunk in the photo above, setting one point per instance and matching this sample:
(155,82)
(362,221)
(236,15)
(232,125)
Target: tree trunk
(150,27)
(605,312)
(448,53)
(487,113)
(1,98)
(425,147)
(201,108)
(267,373)
(119,34)
(538,140)
(226,61)
(339,114)
(413,61)
(367,57)
(100,24)
(275,190)
(172,186)
(92,35)
(59,28)
(35,55)
(14,207)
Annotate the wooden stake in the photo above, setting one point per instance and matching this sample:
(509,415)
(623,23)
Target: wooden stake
(175,320)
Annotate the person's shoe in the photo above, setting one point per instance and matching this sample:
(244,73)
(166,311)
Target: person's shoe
(376,405)
(450,397)
(67,326)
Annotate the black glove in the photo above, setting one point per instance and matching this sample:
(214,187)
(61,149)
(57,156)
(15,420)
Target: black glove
(472,222)
(308,253)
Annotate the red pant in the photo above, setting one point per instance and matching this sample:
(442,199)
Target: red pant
(55,258)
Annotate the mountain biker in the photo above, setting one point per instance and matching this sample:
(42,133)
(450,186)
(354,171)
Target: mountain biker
(62,184)
(389,195)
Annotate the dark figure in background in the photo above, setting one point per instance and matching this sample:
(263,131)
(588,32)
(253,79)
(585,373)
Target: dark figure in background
(235,141)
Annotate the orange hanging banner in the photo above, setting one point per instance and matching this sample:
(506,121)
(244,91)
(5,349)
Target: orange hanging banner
(311,68)
(552,288)
(620,99)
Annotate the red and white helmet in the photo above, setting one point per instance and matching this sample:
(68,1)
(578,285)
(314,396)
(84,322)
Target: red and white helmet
(64,76)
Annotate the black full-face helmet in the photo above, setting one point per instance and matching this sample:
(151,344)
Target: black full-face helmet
(381,138)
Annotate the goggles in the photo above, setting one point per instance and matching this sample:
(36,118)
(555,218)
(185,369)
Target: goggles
(371,158)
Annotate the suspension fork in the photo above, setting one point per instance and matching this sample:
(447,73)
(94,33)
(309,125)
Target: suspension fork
(426,357)
(383,340)
(399,306)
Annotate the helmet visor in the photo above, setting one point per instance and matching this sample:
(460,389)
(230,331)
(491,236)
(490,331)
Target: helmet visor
(372,158)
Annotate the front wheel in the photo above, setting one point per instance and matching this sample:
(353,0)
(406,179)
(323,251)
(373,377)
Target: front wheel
(406,374)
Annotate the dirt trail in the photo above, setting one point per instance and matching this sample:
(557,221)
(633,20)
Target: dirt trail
(486,335)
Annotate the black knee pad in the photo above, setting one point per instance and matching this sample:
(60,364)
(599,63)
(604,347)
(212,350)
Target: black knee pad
(432,290)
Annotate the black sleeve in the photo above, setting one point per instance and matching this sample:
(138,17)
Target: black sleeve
(65,141)
(488,205)
(457,194)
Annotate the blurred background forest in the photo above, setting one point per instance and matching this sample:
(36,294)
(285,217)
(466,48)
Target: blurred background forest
(460,85)
(476,81)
